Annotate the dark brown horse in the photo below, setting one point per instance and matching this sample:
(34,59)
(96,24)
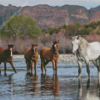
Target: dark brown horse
(50,54)
(31,55)
(6,56)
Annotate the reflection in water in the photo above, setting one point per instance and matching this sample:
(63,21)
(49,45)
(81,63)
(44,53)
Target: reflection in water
(6,87)
(88,96)
(49,84)
(32,83)
(22,86)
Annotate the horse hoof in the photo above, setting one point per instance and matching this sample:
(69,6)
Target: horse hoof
(15,71)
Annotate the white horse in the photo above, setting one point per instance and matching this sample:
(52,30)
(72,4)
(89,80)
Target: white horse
(86,52)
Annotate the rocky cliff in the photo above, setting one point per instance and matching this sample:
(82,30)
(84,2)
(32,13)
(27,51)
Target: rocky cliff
(48,16)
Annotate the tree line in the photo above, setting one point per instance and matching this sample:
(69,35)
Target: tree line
(21,27)
(23,31)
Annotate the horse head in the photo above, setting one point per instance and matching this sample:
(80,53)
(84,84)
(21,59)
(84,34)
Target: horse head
(34,48)
(10,47)
(55,46)
(75,43)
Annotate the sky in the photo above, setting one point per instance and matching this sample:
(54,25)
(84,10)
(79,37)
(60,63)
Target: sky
(86,3)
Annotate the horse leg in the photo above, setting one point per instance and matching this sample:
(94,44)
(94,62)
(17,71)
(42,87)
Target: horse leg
(5,67)
(88,70)
(35,62)
(53,62)
(56,61)
(13,66)
(0,69)
(98,67)
(27,65)
(31,66)
(79,69)
(42,65)
(99,73)
(97,64)
(45,65)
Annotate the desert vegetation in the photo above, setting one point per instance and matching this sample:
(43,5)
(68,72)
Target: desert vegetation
(23,31)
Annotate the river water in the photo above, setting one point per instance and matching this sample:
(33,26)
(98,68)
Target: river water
(37,86)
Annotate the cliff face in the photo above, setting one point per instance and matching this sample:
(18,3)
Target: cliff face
(7,12)
(47,16)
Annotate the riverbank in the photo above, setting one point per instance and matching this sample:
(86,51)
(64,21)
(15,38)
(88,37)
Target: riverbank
(68,58)
(60,56)
(64,60)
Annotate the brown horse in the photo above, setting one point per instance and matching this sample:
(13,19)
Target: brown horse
(50,54)
(31,55)
(6,56)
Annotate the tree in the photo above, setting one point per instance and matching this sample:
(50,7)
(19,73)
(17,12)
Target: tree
(19,26)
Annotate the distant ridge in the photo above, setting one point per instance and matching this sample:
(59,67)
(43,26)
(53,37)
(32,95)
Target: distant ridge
(50,16)
(96,8)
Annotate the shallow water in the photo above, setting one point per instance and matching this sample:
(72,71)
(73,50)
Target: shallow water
(63,86)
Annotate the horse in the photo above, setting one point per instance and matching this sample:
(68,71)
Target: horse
(31,56)
(49,54)
(86,52)
(6,56)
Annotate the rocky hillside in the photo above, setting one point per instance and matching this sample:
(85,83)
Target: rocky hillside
(96,8)
(7,11)
(48,16)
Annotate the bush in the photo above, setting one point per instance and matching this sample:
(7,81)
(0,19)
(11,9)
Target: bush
(20,27)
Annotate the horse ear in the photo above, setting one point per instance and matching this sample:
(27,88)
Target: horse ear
(58,41)
(36,44)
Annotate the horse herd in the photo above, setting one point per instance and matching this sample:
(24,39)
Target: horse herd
(84,51)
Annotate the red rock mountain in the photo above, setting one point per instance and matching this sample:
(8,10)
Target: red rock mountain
(48,16)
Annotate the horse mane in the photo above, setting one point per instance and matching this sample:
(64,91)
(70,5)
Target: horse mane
(83,44)
(53,46)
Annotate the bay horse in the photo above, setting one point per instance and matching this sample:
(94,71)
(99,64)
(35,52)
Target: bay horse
(31,56)
(86,52)
(49,54)
(6,56)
